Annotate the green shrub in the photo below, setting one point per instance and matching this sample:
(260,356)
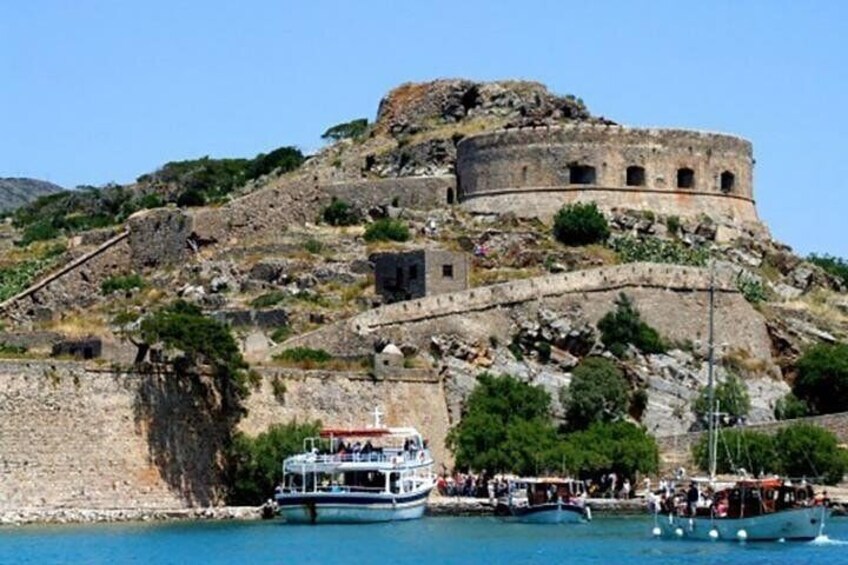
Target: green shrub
(191,198)
(625,326)
(387,229)
(304,354)
(254,463)
(281,334)
(40,231)
(753,451)
(822,381)
(268,299)
(313,246)
(122,283)
(598,393)
(732,397)
(10,350)
(580,224)
(752,289)
(353,129)
(811,451)
(673,225)
(655,250)
(835,266)
(544,350)
(340,213)
(279,389)
(790,407)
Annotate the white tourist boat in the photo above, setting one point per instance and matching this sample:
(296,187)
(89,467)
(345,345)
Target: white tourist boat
(544,501)
(772,509)
(355,475)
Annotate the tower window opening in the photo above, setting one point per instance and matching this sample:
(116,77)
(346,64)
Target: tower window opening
(685,178)
(728,182)
(635,176)
(450,196)
(581,174)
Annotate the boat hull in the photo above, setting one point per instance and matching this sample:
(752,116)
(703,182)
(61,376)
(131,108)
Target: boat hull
(545,514)
(320,508)
(798,524)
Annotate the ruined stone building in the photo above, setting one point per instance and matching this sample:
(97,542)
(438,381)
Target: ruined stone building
(423,272)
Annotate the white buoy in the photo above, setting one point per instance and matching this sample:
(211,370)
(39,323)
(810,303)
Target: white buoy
(656,531)
(742,535)
(679,532)
(714,534)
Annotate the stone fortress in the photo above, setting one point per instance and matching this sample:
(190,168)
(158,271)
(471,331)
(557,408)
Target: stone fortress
(534,171)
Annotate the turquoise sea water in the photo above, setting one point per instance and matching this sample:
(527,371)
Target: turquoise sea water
(620,541)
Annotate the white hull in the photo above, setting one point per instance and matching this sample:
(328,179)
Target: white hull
(796,524)
(341,513)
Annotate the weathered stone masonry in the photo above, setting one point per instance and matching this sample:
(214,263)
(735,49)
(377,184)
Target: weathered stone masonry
(534,171)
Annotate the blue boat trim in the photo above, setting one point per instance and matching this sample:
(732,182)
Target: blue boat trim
(359,500)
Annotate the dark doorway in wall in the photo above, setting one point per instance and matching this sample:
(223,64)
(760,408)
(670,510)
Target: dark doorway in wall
(450,196)
(635,176)
(728,182)
(685,178)
(581,174)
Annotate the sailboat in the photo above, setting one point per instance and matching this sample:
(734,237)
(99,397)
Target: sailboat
(774,509)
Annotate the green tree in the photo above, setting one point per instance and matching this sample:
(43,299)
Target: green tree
(835,266)
(732,397)
(822,380)
(598,393)
(255,463)
(625,326)
(739,449)
(353,129)
(811,451)
(790,407)
(580,224)
(620,447)
(202,341)
(505,427)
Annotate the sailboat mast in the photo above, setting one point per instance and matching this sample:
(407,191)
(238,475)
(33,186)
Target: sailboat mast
(711,435)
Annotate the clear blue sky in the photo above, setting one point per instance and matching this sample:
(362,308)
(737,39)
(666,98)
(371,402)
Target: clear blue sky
(99,91)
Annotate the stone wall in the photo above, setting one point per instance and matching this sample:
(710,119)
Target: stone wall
(420,193)
(349,399)
(671,298)
(529,171)
(79,436)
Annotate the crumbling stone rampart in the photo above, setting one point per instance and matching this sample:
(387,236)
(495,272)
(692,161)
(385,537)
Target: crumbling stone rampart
(672,298)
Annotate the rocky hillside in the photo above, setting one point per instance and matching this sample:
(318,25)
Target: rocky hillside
(278,269)
(15,192)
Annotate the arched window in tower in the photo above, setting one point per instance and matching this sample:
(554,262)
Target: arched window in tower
(581,174)
(450,196)
(685,178)
(635,176)
(728,182)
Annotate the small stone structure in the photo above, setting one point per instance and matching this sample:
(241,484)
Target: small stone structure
(415,274)
(87,348)
(388,361)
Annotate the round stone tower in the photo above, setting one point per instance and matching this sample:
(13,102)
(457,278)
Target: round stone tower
(534,171)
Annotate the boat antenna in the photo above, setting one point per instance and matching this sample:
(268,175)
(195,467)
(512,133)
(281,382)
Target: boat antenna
(711,436)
